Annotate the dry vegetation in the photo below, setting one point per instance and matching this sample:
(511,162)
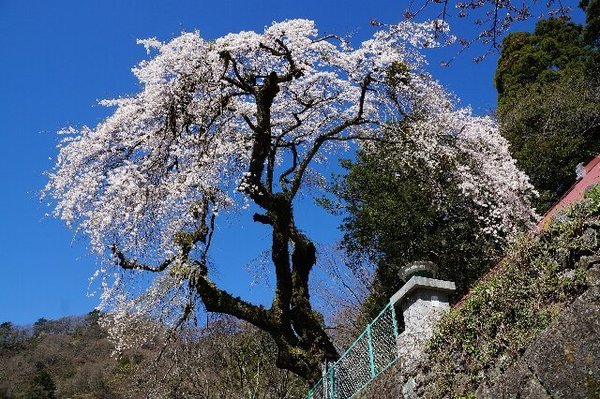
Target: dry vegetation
(71,358)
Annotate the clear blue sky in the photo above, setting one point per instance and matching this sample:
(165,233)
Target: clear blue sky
(57,58)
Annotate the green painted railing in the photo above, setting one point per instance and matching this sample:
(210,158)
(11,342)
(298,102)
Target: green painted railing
(373,352)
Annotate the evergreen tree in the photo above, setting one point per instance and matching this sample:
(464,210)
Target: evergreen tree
(592,20)
(42,386)
(397,215)
(549,103)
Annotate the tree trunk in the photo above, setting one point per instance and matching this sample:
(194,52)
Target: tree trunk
(299,334)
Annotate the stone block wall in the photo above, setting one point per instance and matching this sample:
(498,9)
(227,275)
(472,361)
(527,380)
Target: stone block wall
(562,362)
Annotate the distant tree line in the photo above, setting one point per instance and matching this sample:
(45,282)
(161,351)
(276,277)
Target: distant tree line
(73,357)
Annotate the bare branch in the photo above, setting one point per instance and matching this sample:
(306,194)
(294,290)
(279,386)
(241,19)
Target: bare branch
(260,218)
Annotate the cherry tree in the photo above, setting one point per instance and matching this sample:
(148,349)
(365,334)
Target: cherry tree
(239,123)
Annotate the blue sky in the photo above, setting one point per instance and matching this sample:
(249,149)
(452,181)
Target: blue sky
(59,57)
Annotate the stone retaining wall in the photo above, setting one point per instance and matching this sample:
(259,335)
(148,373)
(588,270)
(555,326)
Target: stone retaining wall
(563,361)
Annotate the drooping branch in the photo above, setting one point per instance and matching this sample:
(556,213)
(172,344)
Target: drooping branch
(130,264)
(186,241)
(213,298)
(500,15)
(204,255)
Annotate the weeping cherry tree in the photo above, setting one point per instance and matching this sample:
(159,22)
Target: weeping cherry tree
(238,124)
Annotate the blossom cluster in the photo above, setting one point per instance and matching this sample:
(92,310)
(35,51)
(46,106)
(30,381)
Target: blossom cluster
(133,179)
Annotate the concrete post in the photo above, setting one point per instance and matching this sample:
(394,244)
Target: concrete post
(423,301)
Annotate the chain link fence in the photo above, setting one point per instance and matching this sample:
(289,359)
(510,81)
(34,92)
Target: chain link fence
(370,354)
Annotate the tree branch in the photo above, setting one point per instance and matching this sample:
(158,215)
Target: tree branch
(260,218)
(271,166)
(297,181)
(294,71)
(283,177)
(250,124)
(129,264)
(262,142)
(218,300)
(240,83)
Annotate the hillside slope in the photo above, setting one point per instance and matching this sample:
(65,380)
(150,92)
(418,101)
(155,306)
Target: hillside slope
(72,358)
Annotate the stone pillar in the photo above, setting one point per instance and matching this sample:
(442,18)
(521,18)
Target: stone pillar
(423,301)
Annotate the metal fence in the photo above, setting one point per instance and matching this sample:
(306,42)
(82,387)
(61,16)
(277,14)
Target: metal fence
(368,356)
